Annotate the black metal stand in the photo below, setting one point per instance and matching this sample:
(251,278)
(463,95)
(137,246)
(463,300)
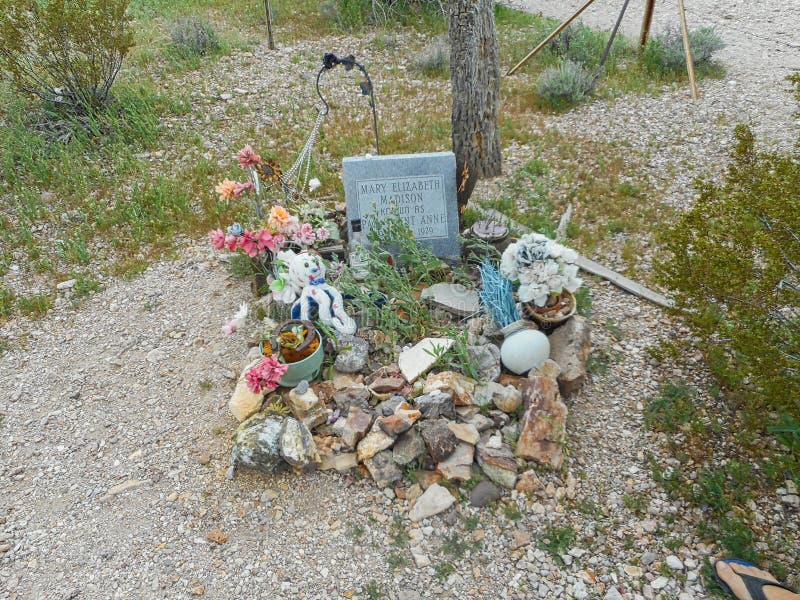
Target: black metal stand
(329,61)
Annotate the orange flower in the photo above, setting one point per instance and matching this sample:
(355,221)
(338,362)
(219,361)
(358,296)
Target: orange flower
(278,217)
(226,190)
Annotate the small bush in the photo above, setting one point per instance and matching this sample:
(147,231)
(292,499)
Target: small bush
(65,52)
(585,45)
(665,52)
(734,261)
(434,59)
(356,14)
(194,37)
(564,85)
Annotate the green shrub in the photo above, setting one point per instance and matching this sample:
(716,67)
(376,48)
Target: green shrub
(194,37)
(665,53)
(734,263)
(563,85)
(67,52)
(585,45)
(355,14)
(434,59)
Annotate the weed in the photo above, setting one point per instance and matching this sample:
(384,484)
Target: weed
(35,305)
(443,570)
(205,385)
(614,328)
(373,591)
(356,531)
(84,286)
(7,301)
(457,546)
(583,300)
(398,532)
(671,409)
(471,522)
(512,512)
(397,560)
(557,540)
(600,360)
(637,504)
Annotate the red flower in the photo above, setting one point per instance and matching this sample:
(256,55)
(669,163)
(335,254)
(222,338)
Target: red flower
(248,158)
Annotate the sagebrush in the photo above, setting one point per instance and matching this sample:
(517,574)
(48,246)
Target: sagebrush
(665,52)
(734,263)
(194,37)
(564,85)
(66,52)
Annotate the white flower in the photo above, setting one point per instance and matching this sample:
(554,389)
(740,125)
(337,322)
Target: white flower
(313,185)
(542,266)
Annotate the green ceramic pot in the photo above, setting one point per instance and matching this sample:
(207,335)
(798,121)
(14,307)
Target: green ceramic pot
(307,369)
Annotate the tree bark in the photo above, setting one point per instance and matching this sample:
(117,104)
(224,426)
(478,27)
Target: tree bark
(475,75)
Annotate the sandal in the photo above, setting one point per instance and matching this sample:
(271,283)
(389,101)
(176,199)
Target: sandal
(755,585)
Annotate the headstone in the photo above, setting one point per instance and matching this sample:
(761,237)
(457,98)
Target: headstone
(421,188)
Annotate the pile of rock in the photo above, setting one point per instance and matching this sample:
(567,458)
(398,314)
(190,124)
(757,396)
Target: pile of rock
(444,426)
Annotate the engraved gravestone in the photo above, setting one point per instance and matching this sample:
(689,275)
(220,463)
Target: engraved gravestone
(419,188)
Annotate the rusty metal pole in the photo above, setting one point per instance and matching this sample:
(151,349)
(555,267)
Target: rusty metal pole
(270,41)
(548,39)
(688,49)
(648,20)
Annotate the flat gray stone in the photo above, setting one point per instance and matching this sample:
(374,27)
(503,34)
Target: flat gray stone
(453,297)
(419,358)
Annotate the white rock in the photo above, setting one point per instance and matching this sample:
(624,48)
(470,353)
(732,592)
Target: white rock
(66,285)
(659,583)
(613,594)
(435,500)
(674,563)
(418,359)
(579,591)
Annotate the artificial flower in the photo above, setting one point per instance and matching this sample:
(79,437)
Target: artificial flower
(249,243)
(322,234)
(278,217)
(305,235)
(266,375)
(313,185)
(269,171)
(217,238)
(226,190)
(232,242)
(248,158)
(237,321)
(240,188)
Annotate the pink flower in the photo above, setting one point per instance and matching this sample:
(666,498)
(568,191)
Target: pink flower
(240,188)
(279,241)
(305,235)
(248,158)
(231,242)
(322,234)
(266,241)
(217,238)
(266,375)
(291,225)
(249,243)
(232,324)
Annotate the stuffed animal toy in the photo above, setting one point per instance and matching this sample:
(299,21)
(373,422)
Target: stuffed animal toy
(306,280)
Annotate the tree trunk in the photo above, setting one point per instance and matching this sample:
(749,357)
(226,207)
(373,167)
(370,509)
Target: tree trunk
(475,75)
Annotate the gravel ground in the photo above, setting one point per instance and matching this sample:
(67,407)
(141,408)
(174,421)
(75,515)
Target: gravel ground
(115,433)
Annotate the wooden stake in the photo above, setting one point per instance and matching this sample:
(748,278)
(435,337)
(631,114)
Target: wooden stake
(688,49)
(270,41)
(548,39)
(648,19)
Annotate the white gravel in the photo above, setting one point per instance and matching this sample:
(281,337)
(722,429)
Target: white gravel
(107,410)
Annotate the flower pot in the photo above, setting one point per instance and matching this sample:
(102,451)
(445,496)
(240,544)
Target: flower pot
(550,317)
(524,347)
(307,369)
(304,361)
